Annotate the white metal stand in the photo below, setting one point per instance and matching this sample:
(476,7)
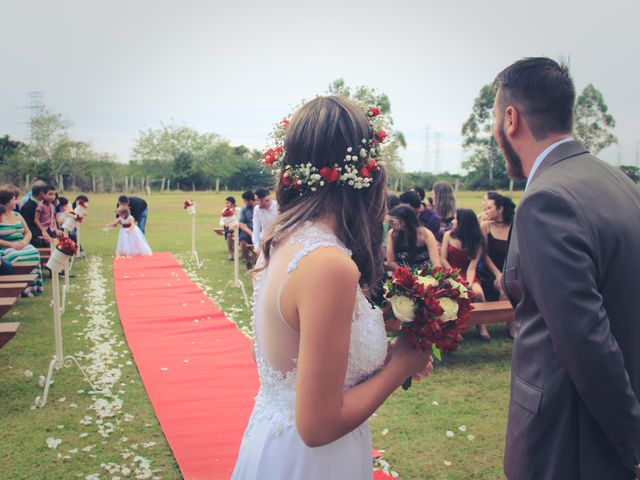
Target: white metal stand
(194,252)
(59,360)
(236,282)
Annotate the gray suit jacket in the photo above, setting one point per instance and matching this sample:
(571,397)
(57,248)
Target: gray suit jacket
(572,276)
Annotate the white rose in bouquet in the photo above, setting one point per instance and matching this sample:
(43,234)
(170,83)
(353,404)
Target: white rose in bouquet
(450,307)
(403,308)
(428,280)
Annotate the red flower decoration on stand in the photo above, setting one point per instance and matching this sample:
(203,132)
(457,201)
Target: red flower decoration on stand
(67,246)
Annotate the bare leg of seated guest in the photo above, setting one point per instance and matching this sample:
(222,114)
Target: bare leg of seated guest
(478,296)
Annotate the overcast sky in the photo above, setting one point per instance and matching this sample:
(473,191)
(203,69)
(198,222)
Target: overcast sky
(234,68)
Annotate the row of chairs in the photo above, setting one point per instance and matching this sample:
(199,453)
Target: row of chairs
(11,286)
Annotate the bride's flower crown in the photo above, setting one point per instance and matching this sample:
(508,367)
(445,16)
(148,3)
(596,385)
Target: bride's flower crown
(356,171)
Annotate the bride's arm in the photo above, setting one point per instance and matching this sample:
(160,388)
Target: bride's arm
(324,294)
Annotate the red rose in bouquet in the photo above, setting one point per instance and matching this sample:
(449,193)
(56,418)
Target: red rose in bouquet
(67,246)
(430,306)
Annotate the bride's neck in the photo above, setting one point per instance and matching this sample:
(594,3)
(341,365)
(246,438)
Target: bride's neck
(328,223)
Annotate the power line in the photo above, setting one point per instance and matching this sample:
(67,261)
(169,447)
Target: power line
(36,109)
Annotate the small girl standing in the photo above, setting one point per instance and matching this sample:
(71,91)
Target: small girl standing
(462,248)
(131,240)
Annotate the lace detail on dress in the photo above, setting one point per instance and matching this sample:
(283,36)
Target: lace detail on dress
(368,345)
(276,398)
(312,238)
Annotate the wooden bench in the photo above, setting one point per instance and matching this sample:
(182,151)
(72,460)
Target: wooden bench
(12,289)
(491,312)
(7,331)
(6,304)
(27,277)
(21,268)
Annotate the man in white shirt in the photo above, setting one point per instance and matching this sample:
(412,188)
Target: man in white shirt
(263,216)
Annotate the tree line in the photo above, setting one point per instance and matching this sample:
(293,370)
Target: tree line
(179,157)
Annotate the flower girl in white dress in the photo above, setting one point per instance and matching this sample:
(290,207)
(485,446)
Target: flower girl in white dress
(131,240)
(320,347)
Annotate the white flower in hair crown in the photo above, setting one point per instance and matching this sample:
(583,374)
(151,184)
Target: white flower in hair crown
(357,171)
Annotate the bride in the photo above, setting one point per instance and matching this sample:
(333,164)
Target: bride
(321,349)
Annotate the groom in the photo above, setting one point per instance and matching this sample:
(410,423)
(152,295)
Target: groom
(570,273)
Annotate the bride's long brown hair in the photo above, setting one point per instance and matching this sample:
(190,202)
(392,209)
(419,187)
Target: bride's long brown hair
(320,133)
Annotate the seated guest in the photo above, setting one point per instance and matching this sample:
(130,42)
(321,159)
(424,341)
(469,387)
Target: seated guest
(16,193)
(14,242)
(246,228)
(444,204)
(482,216)
(499,212)
(29,194)
(408,243)
(6,267)
(427,216)
(392,202)
(462,248)
(28,212)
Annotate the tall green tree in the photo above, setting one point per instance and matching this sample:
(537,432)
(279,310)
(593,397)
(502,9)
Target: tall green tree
(367,96)
(485,162)
(593,123)
(48,131)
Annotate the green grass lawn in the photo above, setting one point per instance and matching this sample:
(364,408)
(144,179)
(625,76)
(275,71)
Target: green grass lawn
(469,388)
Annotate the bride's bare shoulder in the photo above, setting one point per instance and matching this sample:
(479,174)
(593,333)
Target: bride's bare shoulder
(327,264)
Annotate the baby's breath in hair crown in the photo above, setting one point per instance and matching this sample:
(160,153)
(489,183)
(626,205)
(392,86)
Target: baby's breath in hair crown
(356,171)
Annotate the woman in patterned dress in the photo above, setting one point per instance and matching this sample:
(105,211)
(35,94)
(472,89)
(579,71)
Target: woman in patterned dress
(14,241)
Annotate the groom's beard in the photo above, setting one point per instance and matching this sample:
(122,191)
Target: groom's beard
(512,159)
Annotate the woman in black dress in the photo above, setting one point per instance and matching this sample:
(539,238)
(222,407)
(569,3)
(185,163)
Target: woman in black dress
(408,243)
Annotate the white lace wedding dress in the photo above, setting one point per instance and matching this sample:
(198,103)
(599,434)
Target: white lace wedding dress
(271,448)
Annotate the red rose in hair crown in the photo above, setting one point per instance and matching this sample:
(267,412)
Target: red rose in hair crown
(358,167)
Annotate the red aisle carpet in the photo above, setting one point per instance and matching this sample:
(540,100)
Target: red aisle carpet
(195,364)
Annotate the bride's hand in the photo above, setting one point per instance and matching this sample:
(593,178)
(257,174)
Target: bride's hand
(410,362)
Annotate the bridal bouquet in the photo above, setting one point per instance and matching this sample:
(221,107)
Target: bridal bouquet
(429,306)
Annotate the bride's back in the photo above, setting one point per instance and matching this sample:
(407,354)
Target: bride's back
(276,340)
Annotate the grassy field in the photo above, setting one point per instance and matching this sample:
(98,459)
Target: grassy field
(468,390)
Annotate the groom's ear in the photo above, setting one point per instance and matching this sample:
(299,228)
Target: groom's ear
(512,121)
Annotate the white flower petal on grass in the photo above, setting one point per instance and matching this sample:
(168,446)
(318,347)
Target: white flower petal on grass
(385,431)
(28,373)
(434,403)
(62,399)
(462,428)
(449,434)
(471,437)
(448,463)
(53,442)
(82,435)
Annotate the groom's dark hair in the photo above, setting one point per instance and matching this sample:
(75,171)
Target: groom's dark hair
(542,90)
